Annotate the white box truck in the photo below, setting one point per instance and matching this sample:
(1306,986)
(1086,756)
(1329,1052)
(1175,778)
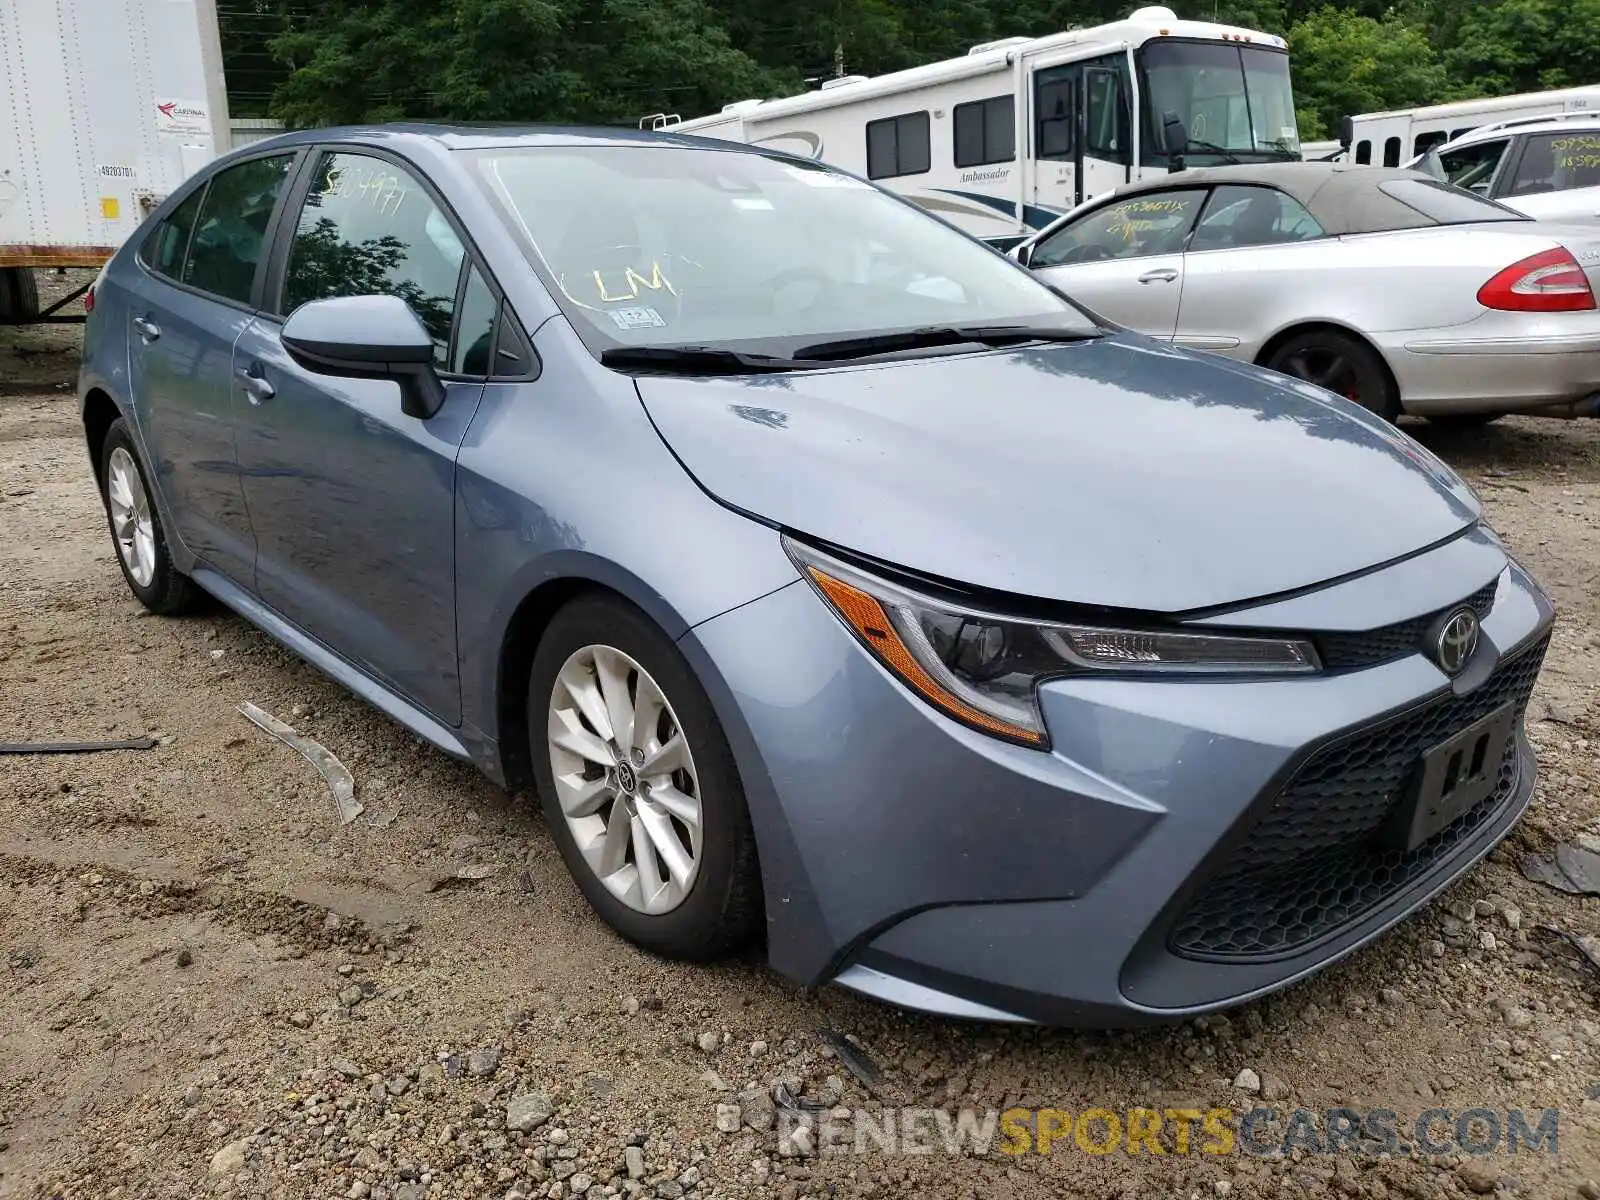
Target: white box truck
(105,107)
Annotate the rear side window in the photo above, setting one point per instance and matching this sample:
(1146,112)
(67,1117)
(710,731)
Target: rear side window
(164,250)
(898,146)
(1554,162)
(232,226)
(1364,153)
(368,228)
(1445,204)
(1391,152)
(985,132)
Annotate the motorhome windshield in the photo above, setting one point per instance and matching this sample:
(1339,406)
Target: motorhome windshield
(1232,98)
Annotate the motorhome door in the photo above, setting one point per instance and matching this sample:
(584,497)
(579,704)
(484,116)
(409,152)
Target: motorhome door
(1080,126)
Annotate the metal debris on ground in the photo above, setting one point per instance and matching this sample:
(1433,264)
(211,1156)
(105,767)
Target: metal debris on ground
(340,781)
(1588,947)
(785,1097)
(142,742)
(853,1055)
(1568,868)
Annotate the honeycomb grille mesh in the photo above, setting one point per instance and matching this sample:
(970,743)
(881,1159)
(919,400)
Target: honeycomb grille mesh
(1313,863)
(1350,651)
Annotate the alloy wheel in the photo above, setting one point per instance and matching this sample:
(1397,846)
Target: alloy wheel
(1326,368)
(625,779)
(131,524)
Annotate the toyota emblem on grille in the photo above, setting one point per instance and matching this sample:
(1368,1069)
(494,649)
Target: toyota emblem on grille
(1456,640)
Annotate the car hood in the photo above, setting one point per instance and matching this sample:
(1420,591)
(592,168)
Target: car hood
(1118,472)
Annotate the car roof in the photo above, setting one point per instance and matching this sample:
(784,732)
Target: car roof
(1578,122)
(487,135)
(1343,197)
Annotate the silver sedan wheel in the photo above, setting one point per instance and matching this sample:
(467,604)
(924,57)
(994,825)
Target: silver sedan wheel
(625,779)
(131,523)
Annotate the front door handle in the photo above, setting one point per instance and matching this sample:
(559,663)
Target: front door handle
(255,384)
(147,328)
(1160,275)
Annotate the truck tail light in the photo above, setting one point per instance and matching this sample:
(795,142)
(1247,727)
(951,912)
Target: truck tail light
(1551,281)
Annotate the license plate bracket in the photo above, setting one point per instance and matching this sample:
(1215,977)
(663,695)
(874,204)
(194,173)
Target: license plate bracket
(1452,778)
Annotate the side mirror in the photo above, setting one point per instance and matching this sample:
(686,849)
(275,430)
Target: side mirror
(1347,131)
(1175,137)
(1024,253)
(368,337)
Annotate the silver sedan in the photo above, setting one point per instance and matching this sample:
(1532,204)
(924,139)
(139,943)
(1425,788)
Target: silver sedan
(1384,285)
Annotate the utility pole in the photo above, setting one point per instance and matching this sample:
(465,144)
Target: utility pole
(838,60)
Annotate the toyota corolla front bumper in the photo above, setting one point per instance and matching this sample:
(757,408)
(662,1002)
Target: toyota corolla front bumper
(1184,845)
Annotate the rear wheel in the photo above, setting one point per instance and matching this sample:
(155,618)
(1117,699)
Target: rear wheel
(1341,363)
(136,531)
(19,294)
(638,784)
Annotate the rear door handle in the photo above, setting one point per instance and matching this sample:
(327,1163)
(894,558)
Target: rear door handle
(147,328)
(255,384)
(1160,275)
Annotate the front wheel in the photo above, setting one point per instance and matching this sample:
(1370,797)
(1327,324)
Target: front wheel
(638,784)
(136,531)
(1341,363)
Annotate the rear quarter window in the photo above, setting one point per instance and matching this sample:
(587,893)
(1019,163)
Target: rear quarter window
(1446,204)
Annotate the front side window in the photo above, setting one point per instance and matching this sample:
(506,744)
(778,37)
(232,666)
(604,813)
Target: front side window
(164,250)
(473,353)
(232,226)
(1427,141)
(1364,152)
(673,246)
(985,131)
(1554,162)
(1473,167)
(1252,216)
(899,146)
(368,228)
(1155,223)
(1391,152)
(1235,98)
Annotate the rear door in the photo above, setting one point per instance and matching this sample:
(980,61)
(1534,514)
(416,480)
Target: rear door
(1125,259)
(352,501)
(1554,176)
(191,300)
(1249,261)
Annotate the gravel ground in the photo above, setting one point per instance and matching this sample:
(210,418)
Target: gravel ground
(210,987)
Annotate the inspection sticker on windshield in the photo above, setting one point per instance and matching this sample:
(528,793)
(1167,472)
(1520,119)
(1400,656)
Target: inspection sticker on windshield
(824,179)
(636,318)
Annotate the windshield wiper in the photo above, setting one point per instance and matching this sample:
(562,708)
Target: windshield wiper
(1228,156)
(940,335)
(696,360)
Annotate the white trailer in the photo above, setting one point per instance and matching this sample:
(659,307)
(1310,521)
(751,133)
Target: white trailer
(1094,104)
(105,107)
(1392,139)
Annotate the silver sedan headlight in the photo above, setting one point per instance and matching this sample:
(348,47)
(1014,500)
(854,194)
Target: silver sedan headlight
(984,669)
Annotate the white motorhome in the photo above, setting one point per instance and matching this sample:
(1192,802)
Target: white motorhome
(1094,104)
(108,106)
(1392,139)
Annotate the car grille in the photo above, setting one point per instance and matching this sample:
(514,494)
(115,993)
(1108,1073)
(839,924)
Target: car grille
(1314,862)
(1350,651)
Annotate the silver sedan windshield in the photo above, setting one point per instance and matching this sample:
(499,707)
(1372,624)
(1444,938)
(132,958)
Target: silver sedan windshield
(668,245)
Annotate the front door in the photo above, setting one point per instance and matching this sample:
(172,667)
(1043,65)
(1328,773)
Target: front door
(1125,260)
(1080,146)
(351,500)
(189,306)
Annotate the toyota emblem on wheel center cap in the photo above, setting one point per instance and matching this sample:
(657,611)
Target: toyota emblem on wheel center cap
(1456,640)
(626,779)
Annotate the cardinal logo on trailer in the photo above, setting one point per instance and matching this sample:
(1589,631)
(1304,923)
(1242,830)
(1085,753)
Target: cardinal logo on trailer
(182,117)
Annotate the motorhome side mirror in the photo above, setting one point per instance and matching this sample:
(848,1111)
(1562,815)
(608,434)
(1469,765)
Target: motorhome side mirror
(368,337)
(1175,137)
(1347,131)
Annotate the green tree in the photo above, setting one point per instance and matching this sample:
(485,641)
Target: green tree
(1347,63)
(1506,46)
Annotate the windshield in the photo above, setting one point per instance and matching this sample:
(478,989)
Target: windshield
(672,246)
(1236,98)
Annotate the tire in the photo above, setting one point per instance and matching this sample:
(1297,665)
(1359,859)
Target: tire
(1342,363)
(696,916)
(140,544)
(19,294)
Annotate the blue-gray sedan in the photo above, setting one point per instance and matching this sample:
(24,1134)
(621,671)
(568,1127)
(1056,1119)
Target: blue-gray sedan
(828,577)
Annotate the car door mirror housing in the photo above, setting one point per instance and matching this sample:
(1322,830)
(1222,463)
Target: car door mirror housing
(368,337)
(1024,253)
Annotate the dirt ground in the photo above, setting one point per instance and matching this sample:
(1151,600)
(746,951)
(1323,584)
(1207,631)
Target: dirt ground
(208,986)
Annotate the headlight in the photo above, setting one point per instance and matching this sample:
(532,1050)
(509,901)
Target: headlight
(984,669)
